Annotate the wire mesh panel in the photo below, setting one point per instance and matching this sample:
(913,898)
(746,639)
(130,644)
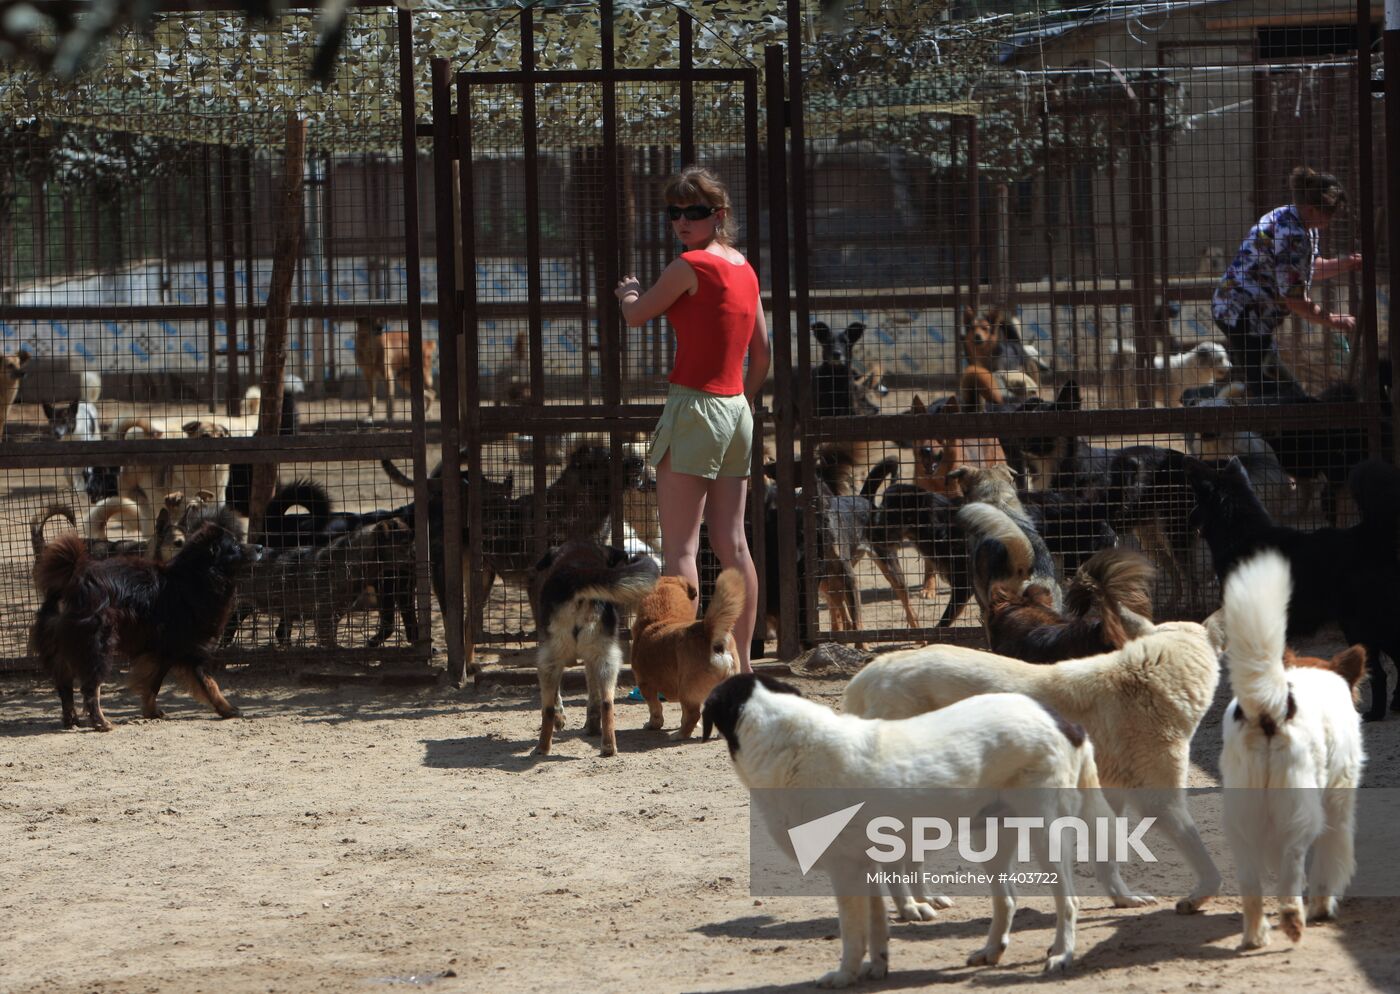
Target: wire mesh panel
(552,217)
(1053,262)
(206,282)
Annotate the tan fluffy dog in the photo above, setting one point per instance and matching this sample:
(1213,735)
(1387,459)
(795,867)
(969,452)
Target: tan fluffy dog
(11,372)
(383,357)
(676,655)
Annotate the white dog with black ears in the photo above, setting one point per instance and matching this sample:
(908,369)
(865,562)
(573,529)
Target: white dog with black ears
(1289,726)
(777,739)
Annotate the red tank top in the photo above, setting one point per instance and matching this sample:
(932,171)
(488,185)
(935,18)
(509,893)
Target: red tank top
(714,324)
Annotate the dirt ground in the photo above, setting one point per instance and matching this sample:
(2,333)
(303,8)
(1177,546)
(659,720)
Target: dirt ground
(353,838)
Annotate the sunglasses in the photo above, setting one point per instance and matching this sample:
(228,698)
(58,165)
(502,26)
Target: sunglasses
(695,212)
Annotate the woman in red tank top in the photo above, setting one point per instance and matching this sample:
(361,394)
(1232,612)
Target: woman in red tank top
(703,443)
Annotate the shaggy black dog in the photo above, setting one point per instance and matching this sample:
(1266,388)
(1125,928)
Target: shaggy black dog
(1350,576)
(160,616)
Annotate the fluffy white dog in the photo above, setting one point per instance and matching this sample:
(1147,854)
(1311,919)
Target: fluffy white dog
(1172,375)
(1289,726)
(1141,705)
(998,741)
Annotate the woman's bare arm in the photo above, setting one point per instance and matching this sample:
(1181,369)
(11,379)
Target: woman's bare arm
(638,308)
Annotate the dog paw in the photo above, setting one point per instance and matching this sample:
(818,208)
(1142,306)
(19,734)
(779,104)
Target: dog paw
(559,720)
(1190,905)
(988,955)
(1291,921)
(1322,909)
(1256,940)
(231,713)
(916,911)
(876,969)
(836,980)
(105,726)
(1142,901)
(1059,962)
(608,749)
(653,726)
(941,901)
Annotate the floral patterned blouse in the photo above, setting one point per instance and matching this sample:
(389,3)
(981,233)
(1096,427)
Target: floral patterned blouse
(1274,264)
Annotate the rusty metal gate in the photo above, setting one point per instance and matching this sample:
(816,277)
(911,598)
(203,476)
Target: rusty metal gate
(529,250)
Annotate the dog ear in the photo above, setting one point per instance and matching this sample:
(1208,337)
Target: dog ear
(1198,474)
(853,331)
(1350,665)
(1000,595)
(821,331)
(961,473)
(1068,398)
(916,406)
(969,316)
(546,561)
(1236,468)
(49,409)
(690,590)
(190,427)
(23,356)
(204,495)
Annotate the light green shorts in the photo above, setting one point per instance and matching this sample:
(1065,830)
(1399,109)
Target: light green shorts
(706,434)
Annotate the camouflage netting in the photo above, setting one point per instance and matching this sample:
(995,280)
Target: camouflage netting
(891,75)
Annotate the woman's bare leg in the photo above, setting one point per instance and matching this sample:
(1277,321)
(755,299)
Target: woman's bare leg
(680,499)
(725,518)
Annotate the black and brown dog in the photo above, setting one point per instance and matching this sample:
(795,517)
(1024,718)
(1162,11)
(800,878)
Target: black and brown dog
(160,616)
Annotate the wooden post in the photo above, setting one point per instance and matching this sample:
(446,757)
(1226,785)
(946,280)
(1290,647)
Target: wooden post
(279,306)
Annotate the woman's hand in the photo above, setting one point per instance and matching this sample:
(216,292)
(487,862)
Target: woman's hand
(629,285)
(1341,322)
(1352,262)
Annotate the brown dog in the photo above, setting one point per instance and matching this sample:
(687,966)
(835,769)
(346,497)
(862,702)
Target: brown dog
(676,655)
(982,381)
(936,458)
(382,356)
(11,372)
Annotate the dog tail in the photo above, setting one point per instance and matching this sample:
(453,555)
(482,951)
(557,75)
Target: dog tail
(1255,617)
(105,510)
(624,585)
(61,560)
(725,606)
(90,386)
(1109,582)
(252,401)
(984,524)
(133,424)
(885,469)
(395,474)
(41,518)
(300,493)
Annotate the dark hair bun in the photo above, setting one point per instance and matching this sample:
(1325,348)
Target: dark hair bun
(1314,189)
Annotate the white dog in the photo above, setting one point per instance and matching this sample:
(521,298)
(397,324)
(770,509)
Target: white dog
(1202,364)
(997,741)
(1140,704)
(1289,726)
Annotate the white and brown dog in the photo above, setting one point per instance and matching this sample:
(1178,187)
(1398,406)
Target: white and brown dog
(1141,704)
(575,591)
(1292,758)
(777,739)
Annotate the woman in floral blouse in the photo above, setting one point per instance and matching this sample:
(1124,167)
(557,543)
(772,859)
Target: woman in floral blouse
(1271,278)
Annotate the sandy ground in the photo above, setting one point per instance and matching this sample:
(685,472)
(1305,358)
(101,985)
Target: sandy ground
(353,838)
